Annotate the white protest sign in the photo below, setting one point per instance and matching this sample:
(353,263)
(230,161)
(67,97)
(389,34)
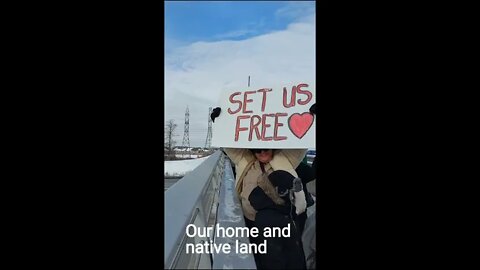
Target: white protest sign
(274,117)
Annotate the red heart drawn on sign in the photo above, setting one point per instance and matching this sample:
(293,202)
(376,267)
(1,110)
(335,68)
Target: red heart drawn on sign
(299,124)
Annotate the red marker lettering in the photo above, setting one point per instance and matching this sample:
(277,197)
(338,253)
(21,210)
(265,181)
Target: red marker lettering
(264,97)
(265,126)
(276,125)
(255,126)
(292,97)
(235,101)
(307,93)
(237,126)
(245,101)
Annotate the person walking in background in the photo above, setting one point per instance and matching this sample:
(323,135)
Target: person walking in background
(309,233)
(306,174)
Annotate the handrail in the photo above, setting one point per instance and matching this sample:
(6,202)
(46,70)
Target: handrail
(190,201)
(230,214)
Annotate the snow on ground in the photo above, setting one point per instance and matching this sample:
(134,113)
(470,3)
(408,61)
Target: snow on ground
(175,168)
(186,156)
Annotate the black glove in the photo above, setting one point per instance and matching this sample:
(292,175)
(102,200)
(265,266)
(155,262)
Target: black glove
(305,172)
(282,180)
(259,200)
(215,113)
(313,109)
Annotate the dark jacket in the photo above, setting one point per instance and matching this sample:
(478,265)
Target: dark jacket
(282,252)
(307,174)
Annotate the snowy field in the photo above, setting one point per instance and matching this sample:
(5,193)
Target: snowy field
(186,156)
(177,168)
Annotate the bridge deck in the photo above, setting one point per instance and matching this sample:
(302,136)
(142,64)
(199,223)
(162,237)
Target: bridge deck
(205,197)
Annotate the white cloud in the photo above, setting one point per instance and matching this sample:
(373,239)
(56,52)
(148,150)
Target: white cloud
(236,34)
(196,74)
(298,10)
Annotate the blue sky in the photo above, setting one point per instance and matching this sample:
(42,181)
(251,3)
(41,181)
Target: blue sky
(210,46)
(190,21)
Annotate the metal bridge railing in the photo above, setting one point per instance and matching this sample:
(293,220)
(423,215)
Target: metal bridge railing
(204,197)
(230,214)
(190,201)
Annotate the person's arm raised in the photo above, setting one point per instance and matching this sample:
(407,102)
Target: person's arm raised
(235,154)
(294,156)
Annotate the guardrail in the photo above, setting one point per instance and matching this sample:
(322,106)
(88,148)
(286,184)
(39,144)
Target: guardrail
(191,201)
(204,197)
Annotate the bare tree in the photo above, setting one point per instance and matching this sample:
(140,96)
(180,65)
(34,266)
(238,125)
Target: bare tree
(169,135)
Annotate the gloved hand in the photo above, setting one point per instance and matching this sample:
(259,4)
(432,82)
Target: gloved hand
(299,200)
(215,113)
(291,186)
(313,109)
(282,181)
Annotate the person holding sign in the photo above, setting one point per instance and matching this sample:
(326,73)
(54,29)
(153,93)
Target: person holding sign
(252,165)
(264,131)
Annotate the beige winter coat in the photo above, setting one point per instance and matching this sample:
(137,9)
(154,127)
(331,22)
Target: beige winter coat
(283,159)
